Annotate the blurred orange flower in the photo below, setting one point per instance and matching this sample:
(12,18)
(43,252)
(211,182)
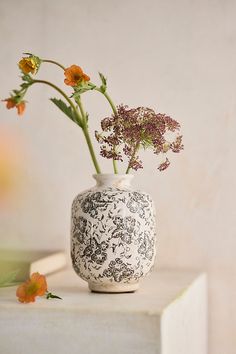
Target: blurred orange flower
(35,286)
(11,103)
(75,75)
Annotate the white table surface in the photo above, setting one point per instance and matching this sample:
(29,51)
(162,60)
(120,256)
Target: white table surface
(84,322)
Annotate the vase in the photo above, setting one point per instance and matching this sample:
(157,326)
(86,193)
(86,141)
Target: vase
(113,232)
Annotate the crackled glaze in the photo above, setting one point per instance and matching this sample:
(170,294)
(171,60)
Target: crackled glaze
(113,234)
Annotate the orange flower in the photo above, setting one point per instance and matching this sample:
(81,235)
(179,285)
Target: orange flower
(75,75)
(29,65)
(35,286)
(11,103)
(20,108)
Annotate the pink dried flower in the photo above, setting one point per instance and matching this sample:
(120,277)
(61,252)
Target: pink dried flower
(172,124)
(177,145)
(110,154)
(106,123)
(99,137)
(132,129)
(135,164)
(127,150)
(163,166)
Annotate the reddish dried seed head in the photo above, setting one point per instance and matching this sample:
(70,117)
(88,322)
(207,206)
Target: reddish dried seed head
(132,129)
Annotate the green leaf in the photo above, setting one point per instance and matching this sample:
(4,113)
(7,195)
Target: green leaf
(9,278)
(52,296)
(103,79)
(27,78)
(65,109)
(83,87)
(30,54)
(103,87)
(24,86)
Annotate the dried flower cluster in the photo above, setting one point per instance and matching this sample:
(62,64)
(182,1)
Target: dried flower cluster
(129,130)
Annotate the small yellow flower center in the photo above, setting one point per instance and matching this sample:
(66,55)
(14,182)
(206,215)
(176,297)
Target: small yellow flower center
(32,288)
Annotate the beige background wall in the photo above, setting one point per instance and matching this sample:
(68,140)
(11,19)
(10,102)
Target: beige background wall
(178,57)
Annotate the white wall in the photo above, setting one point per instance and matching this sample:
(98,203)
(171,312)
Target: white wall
(178,57)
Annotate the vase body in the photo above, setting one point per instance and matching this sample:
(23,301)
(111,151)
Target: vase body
(113,232)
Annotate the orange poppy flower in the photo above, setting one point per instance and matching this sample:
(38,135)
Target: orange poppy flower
(75,75)
(35,286)
(11,103)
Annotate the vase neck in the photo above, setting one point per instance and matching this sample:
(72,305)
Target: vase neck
(113,180)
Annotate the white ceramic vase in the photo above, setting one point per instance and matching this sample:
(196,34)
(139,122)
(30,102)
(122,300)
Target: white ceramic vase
(113,234)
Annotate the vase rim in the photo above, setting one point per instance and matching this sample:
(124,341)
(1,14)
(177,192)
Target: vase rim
(112,179)
(116,175)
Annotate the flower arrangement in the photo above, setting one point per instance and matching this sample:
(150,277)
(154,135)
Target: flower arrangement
(122,135)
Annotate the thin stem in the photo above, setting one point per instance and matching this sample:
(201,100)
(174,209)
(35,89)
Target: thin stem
(53,62)
(132,157)
(91,150)
(115,166)
(108,99)
(84,126)
(113,107)
(87,136)
(62,93)
(83,114)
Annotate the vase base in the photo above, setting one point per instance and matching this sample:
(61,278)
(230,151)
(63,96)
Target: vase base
(113,288)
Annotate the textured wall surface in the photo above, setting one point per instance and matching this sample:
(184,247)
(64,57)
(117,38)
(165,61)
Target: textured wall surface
(175,56)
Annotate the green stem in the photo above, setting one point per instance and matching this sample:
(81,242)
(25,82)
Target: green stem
(62,93)
(87,136)
(84,126)
(91,150)
(82,111)
(53,62)
(115,166)
(113,107)
(108,99)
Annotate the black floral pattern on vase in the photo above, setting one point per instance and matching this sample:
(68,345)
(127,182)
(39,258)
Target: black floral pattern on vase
(96,202)
(96,252)
(137,203)
(146,248)
(82,223)
(125,228)
(80,228)
(118,271)
(113,234)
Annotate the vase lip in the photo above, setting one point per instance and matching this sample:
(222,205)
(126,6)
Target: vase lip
(117,180)
(112,175)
